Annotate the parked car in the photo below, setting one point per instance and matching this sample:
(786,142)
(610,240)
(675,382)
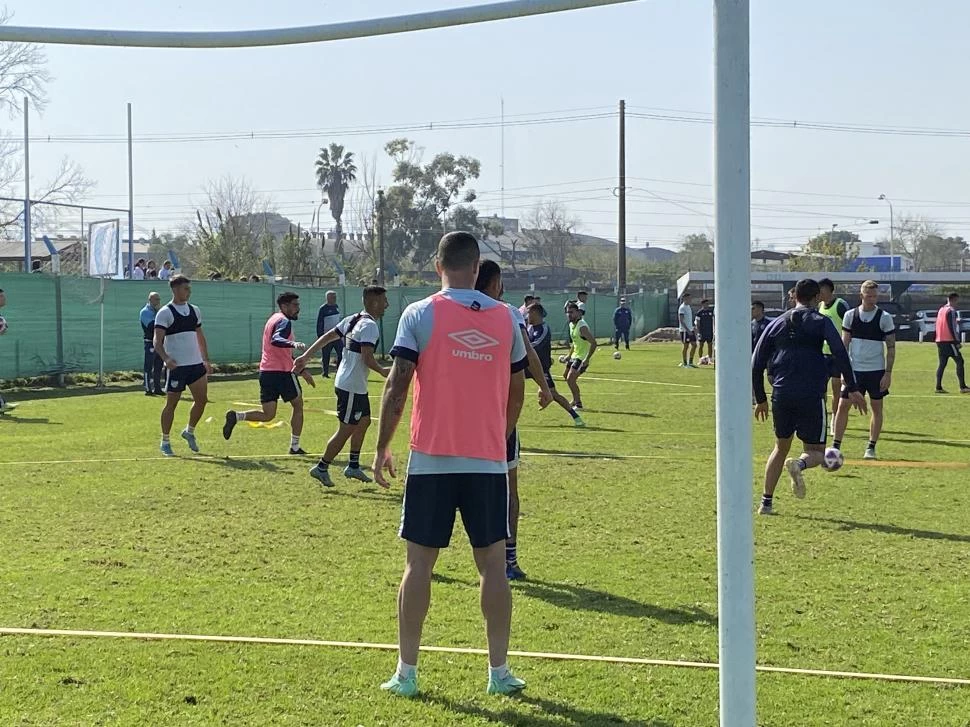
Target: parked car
(925,324)
(963,320)
(773,312)
(905,327)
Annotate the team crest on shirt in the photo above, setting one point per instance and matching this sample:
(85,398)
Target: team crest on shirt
(357,415)
(473,341)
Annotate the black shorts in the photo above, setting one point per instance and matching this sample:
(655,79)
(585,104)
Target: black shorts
(575,363)
(181,377)
(688,337)
(430,503)
(275,385)
(868,382)
(351,408)
(805,417)
(548,377)
(705,338)
(830,366)
(512,450)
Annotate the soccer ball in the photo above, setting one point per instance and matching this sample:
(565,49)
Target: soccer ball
(832,460)
(563,359)
(705,361)
(616,355)
(3,324)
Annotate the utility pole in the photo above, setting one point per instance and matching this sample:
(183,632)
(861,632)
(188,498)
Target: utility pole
(380,235)
(131,202)
(621,241)
(27,250)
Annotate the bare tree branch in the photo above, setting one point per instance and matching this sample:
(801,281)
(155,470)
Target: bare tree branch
(23,72)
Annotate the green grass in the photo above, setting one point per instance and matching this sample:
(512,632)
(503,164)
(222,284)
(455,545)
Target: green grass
(867,574)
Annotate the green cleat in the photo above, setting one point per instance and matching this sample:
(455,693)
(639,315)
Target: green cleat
(509,684)
(401,687)
(578,422)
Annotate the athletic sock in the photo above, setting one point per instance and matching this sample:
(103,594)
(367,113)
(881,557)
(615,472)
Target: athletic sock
(240,416)
(294,441)
(573,413)
(406,671)
(354,460)
(498,672)
(766,500)
(165,438)
(323,464)
(511,557)
(802,463)
(189,429)
(871,445)
(837,443)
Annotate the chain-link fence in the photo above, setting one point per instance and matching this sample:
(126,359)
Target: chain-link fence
(54,321)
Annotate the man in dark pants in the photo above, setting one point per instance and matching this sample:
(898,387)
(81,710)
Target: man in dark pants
(948,343)
(152,369)
(791,350)
(327,319)
(622,321)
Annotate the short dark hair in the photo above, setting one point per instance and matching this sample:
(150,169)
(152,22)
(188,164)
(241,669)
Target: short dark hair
(287,297)
(372,291)
(487,272)
(458,251)
(571,304)
(806,290)
(758,304)
(685,295)
(705,301)
(178,280)
(581,292)
(527,298)
(826,283)
(538,308)
(952,296)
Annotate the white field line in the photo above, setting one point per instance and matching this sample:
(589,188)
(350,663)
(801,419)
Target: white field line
(457,650)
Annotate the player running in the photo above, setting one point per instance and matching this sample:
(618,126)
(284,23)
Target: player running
(540,336)
(865,330)
(276,377)
(360,334)
(180,343)
(583,348)
(791,351)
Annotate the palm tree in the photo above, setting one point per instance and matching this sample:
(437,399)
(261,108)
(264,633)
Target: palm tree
(335,171)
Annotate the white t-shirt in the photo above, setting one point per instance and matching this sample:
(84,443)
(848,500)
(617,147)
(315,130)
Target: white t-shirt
(685,317)
(137,274)
(352,372)
(183,346)
(164,273)
(865,354)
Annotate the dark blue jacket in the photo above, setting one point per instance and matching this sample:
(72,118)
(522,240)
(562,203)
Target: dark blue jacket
(622,318)
(791,350)
(326,310)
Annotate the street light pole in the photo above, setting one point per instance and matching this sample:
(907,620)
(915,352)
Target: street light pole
(380,234)
(892,234)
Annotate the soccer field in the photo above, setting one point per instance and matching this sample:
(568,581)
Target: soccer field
(868,574)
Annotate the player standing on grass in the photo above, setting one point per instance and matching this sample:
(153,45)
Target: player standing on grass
(182,346)
(276,377)
(865,330)
(791,351)
(540,336)
(583,348)
(704,325)
(948,343)
(834,309)
(688,336)
(328,316)
(466,354)
(360,334)
(622,322)
(758,322)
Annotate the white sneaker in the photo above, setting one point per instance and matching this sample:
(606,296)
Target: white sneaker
(870,453)
(797,478)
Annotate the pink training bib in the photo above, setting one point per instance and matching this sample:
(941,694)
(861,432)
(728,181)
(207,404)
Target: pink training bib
(275,358)
(461,388)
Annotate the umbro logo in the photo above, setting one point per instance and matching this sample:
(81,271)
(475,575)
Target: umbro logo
(473,341)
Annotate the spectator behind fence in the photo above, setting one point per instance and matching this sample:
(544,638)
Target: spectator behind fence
(327,319)
(138,272)
(152,368)
(166,272)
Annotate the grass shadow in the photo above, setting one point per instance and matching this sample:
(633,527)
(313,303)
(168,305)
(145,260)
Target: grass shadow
(239,464)
(573,452)
(927,440)
(14,419)
(552,714)
(371,493)
(888,529)
(642,414)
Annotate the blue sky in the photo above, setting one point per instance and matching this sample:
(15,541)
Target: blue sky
(886,63)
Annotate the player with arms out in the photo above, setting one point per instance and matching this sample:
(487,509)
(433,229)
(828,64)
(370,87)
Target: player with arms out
(360,334)
(540,336)
(180,343)
(583,348)
(466,354)
(791,351)
(276,377)
(834,309)
(870,335)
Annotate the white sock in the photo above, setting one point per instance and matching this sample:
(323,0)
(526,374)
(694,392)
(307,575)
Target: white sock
(240,416)
(165,438)
(294,441)
(498,672)
(189,429)
(406,671)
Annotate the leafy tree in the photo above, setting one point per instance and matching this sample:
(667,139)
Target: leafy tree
(231,234)
(942,253)
(696,252)
(826,252)
(335,173)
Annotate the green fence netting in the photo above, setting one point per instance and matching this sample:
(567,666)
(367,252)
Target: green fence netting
(54,322)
